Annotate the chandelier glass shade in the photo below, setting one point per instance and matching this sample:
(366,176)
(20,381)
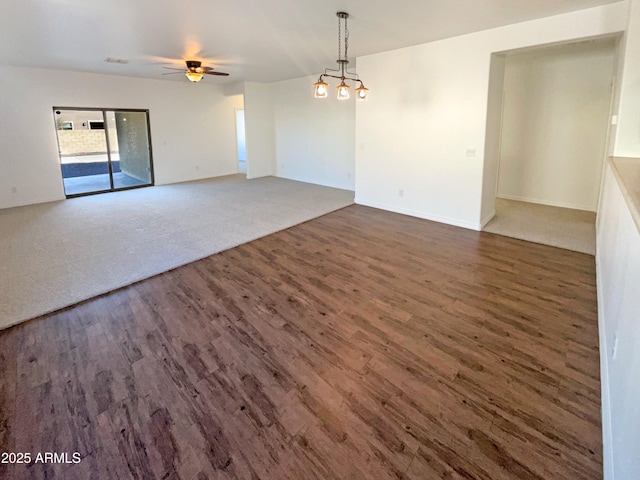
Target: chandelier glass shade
(320,88)
(361,92)
(343,91)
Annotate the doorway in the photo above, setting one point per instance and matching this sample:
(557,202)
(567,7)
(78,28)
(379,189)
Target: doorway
(547,124)
(241,140)
(103,150)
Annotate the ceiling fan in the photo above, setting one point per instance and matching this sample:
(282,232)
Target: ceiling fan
(195,71)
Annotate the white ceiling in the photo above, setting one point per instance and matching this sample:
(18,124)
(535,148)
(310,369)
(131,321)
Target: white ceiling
(253,40)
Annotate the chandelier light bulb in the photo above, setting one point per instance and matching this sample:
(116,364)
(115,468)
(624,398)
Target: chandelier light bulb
(361,92)
(320,89)
(343,91)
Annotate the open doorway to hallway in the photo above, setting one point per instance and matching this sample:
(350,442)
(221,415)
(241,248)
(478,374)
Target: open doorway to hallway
(240,136)
(103,150)
(546,142)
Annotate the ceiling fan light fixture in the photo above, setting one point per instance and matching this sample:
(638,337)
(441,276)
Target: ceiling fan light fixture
(195,77)
(195,71)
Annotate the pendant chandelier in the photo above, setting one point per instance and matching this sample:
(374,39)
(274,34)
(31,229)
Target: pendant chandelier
(320,88)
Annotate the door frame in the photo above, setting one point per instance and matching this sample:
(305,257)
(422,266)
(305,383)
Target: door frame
(108,143)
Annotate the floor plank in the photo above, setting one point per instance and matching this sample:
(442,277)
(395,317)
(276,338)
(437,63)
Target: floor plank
(362,345)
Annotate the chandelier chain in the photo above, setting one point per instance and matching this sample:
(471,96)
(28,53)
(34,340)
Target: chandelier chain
(339,38)
(346,38)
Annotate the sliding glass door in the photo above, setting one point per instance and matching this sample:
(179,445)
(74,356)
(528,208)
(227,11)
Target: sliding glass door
(103,150)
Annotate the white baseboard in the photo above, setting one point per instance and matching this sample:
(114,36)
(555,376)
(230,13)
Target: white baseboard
(418,214)
(340,186)
(31,202)
(545,202)
(487,219)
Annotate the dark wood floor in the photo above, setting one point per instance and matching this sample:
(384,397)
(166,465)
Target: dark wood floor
(360,345)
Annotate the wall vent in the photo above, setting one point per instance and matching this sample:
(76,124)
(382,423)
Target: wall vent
(116,60)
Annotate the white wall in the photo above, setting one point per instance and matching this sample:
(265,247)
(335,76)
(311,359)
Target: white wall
(618,260)
(315,138)
(428,105)
(259,126)
(618,277)
(192,127)
(556,115)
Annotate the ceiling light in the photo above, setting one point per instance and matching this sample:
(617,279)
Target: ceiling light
(194,76)
(341,73)
(195,71)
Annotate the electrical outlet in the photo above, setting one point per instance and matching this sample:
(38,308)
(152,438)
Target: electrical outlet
(14,190)
(471,152)
(614,350)
(401,193)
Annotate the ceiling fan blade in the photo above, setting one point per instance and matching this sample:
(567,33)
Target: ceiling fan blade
(171,68)
(222,74)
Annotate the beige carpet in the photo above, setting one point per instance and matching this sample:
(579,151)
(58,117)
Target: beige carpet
(57,254)
(559,227)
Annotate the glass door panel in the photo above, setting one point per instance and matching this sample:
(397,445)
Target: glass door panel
(83,151)
(129,148)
